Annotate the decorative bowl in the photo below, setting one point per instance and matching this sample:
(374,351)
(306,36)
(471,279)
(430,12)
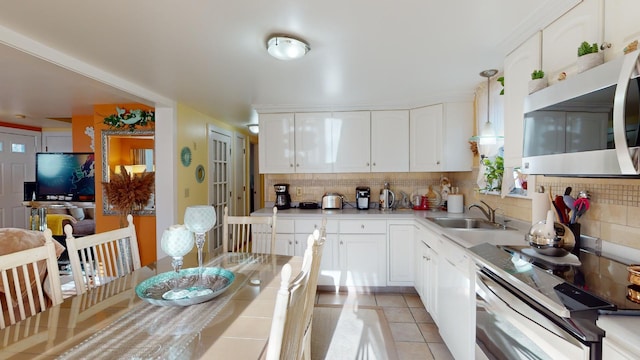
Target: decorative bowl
(215,282)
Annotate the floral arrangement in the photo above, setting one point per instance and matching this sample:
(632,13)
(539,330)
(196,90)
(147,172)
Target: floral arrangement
(126,193)
(130,119)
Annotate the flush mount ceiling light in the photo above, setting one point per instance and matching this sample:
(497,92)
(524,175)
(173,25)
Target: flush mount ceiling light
(286,48)
(254,128)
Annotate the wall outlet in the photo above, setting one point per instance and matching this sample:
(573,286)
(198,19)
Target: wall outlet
(298,191)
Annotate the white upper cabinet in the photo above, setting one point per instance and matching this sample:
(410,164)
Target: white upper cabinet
(351,147)
(313,142)
(390,141)
(457,128)
(276,145)
(518,67)
(561,39)
(620,25)
(438,136)
(425,129)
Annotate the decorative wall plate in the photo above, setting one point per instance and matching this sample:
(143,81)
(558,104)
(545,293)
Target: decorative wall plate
(200,173)
(185,156)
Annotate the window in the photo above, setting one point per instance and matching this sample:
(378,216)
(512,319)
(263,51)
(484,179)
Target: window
(18,148)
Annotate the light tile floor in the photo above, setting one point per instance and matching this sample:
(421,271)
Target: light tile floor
(374,326)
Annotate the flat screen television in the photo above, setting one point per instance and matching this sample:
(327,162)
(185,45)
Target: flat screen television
(65,176)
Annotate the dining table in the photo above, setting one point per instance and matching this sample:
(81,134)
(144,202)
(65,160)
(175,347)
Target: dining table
(113,322)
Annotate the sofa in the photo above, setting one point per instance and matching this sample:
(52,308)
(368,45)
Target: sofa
(81,220)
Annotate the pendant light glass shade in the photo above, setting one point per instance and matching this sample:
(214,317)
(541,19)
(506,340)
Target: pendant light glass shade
(286,48)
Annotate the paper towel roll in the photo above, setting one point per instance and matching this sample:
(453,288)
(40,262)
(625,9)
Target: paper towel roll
(455,203)
(539,207)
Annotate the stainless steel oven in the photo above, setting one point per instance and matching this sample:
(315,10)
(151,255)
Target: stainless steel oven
(525,312)
(509,328)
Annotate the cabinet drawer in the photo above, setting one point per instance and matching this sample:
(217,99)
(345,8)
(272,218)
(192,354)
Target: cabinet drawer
(308,225)
(363,227)
(284,226)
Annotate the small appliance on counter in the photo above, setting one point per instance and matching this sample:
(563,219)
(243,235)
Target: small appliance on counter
(363,195)
(308,205)
(283,199)
(332,201)
(387,198)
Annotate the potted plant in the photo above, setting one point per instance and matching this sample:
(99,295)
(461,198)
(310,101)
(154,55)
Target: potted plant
(589,56)
(493,172)
(538,81)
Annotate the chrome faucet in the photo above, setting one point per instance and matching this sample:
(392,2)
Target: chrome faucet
(489,212)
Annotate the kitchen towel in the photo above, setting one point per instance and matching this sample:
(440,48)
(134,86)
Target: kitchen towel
(455,203)
(539,207)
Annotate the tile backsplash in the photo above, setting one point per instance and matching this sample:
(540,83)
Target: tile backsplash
(614,214)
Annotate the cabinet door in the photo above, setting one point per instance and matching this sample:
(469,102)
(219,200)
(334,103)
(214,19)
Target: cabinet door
(313,142)
(620,28)
(350,141)
(456,300)
(362,260)
(285,244)
(425,127)
(401,253)
(276,145)
(561,39)
(518,67)
(390,141)
(457,128)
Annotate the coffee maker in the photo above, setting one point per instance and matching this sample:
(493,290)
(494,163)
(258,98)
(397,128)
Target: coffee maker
(283,199)
(363,194)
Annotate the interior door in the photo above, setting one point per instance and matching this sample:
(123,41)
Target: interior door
(220,193)
(17,165)
(239,176)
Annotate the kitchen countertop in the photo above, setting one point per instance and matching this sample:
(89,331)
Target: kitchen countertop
(463,237)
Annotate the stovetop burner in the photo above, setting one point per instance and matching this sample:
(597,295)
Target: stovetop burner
(598,275)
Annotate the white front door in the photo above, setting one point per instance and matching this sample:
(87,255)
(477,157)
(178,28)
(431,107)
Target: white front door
(219,174)
(17,165)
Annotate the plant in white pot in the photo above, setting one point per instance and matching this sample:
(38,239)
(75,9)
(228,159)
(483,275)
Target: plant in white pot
(538,81)
(589,56)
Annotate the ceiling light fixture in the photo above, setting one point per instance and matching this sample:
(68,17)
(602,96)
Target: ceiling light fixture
(487,134)
(286,48)
(253,128)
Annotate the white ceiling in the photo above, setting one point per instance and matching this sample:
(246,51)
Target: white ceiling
(210,54)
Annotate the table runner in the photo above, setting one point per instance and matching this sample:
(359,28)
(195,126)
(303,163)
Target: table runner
(147,331)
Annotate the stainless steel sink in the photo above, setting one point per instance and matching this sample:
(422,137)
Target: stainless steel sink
(468,224)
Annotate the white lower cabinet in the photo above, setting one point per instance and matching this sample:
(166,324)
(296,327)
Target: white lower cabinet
(426,258)
(400,247)
(285,237)
(362,253)
(329,275)
(456,299)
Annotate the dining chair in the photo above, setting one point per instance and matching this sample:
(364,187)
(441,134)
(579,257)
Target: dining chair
(316,247)
(245,234)
(294,307)
(24,293)
(99,258)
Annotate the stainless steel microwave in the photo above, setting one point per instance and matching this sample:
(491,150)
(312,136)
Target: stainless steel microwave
(586,125)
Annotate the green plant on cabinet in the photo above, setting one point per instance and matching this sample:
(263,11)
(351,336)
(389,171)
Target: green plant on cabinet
(537,74)
(585,48)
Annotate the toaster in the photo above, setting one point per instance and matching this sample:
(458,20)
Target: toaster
(331,201)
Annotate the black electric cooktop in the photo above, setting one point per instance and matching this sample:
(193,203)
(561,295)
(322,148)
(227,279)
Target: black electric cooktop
(595,274)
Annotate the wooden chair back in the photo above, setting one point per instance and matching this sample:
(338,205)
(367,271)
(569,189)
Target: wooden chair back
(99,258)
(246,234)
(24,293)
(315,245)
(287,329)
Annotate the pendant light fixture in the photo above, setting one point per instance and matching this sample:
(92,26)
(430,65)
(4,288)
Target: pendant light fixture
(284,47)
(487,132)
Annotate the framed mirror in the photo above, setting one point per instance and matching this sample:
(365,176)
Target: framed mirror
(134,151)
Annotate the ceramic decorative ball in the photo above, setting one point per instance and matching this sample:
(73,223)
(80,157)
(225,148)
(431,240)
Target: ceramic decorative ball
(177,241)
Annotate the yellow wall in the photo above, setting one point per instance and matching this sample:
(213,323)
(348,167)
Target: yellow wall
(192,132)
